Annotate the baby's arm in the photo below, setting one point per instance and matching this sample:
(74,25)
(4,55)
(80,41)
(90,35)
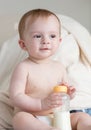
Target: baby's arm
(17,90)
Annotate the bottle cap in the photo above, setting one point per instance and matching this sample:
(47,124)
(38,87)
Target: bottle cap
(60,88)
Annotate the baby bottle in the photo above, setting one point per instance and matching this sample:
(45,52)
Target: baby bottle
(61,114)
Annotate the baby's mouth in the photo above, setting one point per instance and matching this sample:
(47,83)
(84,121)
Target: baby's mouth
(45,48)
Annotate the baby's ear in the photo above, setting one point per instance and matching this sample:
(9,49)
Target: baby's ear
(60,39)
(22,44)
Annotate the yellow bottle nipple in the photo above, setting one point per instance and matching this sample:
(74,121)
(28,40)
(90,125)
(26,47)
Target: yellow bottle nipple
(60,88)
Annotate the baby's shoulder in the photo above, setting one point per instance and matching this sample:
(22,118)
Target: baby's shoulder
(22,68)
(23,65)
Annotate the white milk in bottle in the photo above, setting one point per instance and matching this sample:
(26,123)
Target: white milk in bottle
(61,114)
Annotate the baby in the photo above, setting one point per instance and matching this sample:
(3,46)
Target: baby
(33,80)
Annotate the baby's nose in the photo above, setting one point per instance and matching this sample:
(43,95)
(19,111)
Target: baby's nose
(45,40)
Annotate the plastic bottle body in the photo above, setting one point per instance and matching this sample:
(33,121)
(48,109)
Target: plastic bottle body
(62,115)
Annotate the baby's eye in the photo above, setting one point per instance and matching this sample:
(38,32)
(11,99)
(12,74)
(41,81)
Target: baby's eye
(37,36)
(53,36)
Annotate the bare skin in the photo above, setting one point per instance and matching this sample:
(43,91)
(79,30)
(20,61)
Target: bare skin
(80,121)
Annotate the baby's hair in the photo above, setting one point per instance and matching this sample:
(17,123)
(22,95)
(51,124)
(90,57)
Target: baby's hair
(31,16)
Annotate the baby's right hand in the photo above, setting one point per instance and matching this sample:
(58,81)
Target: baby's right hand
(52,101)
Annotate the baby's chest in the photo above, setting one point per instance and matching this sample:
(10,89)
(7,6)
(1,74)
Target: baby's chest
(41,83)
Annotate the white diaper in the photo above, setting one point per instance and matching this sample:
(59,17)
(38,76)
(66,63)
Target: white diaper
(47,119)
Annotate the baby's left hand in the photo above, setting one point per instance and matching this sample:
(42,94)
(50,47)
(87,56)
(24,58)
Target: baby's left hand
(71,91)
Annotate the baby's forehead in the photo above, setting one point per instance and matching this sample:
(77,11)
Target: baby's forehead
(42,24)
(32,19)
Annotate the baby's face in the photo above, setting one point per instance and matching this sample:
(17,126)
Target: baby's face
(42,37)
